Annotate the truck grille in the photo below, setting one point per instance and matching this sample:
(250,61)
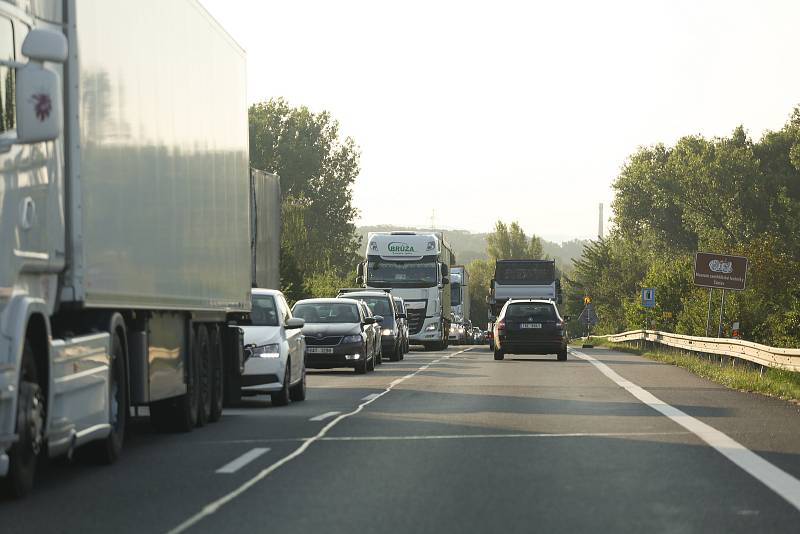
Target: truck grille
(415,320)
(330,340)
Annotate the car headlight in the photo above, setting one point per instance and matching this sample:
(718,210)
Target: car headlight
(273,350)
(352,339)
(386,332)
(431,327)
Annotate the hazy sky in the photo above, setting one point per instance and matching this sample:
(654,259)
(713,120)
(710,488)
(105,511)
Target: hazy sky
(517,110)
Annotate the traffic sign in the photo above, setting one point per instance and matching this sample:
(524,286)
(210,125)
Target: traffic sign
(648,297)
(588,316)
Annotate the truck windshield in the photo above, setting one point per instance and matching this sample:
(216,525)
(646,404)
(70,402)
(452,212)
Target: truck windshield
(523,273)
(455,294)
(420,273)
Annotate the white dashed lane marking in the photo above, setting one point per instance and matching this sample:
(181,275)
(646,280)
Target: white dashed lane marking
(242,461)
(323,416)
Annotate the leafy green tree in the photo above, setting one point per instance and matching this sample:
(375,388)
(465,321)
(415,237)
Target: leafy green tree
(317,170)
(480,273)
(511,243)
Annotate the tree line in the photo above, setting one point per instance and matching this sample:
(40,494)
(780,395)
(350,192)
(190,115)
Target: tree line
(319,244)
(727,195)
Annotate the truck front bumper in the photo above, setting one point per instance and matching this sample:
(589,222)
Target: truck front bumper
(425,335)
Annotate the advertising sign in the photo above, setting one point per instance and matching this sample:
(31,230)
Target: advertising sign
(719,271)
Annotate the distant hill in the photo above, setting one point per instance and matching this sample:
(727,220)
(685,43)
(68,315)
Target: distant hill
(470,246)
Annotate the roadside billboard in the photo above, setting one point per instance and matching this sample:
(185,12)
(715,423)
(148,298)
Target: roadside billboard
(720,271)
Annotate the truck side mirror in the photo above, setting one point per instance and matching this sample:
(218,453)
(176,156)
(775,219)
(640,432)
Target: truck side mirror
(491,283)
(359,280)
(445,270)
(445,280)
(38,88)
(360,269)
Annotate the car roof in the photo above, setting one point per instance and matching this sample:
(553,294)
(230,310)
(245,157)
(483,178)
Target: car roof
(527,301)
(365,293)
(323,301)
(264,291)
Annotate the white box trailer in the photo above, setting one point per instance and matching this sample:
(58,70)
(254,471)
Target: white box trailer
(265,224)
(124,226)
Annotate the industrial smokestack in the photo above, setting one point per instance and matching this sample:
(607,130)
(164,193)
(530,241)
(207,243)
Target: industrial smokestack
(600,223)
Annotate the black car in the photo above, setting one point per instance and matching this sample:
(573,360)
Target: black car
(337,334)
(400,306)
(381,303)
(530,327)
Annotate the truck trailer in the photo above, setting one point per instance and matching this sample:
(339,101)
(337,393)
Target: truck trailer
(124,223)
(416,267)
(522,279)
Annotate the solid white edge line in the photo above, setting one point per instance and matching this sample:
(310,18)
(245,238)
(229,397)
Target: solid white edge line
(212,507)
(323,416)
(241,461)
(370,396)
(779,481)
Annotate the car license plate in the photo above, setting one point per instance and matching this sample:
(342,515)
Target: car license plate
(531,325)
(319,350)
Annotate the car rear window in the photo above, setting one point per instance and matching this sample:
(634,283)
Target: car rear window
(327,312)
(531,312)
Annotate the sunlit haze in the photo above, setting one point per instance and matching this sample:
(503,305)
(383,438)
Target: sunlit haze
(474,111)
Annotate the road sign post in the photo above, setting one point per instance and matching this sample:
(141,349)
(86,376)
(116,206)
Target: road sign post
(719,271)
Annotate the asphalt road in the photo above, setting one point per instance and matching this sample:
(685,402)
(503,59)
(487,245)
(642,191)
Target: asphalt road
(453,441)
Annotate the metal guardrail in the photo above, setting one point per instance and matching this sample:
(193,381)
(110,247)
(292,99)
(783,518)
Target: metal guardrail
(765,355)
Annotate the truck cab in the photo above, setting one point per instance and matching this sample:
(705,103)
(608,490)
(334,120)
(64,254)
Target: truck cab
(416,267)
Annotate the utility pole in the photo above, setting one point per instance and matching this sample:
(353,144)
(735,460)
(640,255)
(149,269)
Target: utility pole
(433,220)
(600,223)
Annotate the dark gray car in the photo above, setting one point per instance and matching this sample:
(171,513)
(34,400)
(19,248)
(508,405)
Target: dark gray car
(337,334)
(381,303)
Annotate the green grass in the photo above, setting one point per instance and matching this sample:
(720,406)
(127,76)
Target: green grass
(732,373)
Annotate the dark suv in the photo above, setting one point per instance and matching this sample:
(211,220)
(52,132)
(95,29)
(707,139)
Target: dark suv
(530,327)
(381,303)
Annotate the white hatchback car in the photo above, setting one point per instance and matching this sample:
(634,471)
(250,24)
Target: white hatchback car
(275,347)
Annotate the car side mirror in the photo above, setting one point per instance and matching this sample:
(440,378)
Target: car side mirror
(401,316)
(369,320)
(567,318)
(295,323)
(379,319)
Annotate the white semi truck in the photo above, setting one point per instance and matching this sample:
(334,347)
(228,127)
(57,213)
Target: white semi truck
(416,266)
(124,222)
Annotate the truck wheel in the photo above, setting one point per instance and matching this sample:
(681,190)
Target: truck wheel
(399,350)
(498,354)
(24,454)
(107,451)
(394,355)
(562,356)
(202,356)
(281,398)
(217,378)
